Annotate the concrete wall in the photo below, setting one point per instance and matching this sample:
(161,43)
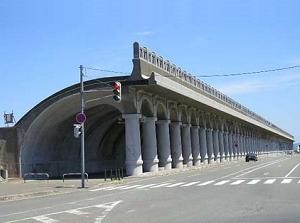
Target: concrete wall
(9,151)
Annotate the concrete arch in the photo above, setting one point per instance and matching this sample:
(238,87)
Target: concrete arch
(145,106)
(160,111)
(184,115)
(173,113)
(193,117)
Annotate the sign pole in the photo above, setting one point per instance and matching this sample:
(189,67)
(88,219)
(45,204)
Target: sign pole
(82,128)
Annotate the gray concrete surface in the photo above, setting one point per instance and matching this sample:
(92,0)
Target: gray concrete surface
(232,196)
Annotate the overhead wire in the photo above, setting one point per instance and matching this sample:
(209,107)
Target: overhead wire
(214,75)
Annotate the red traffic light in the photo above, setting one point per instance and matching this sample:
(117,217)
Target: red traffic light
(117,91)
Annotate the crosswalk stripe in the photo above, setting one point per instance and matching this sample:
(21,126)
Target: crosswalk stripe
(44,219)
(145,186)
(286,181)
(115,188)
(76,212)
(177,184)
(299,182)
(221,182)
(102,188)
(206,183)
(270,181)
(237,182)
(190,184)
(130,187)
(253,182)
(160,185)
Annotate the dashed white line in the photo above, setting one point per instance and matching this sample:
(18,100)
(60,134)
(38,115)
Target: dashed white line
(237,182)
(145,186)
(130,187)
(176,184)
(102,188)
(286,181)
(160,185)
(190,184)
(270,181)
(206,183)
(253,182)
(221,182)
(76,212)
(44,219)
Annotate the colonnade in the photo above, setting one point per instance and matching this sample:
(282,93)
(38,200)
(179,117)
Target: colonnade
(153,144)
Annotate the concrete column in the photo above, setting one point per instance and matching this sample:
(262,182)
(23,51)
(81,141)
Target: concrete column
(234,145)
(134,160)
(203,146)
(243,145)
(195,145)
(247,144)
(238,147)
(216,145)
(163,144)
(149,146)
(221,145)
(230,145)
(186,144)
(176,147)
(226,145)
(210,148)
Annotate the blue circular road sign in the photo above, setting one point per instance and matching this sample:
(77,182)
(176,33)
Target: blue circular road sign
(80,118)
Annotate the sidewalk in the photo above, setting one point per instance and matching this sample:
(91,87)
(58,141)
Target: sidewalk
(16,189)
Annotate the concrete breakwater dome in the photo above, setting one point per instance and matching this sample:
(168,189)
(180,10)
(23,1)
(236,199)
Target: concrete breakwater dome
(166,119)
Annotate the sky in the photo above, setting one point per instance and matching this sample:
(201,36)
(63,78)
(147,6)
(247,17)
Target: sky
(42,44)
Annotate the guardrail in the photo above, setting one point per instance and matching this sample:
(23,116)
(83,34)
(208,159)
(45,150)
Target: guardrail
(75,174)
(115,174)
(36,176)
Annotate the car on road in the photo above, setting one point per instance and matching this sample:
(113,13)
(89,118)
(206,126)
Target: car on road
(251,156)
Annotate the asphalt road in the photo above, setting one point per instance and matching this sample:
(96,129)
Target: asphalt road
(263,191)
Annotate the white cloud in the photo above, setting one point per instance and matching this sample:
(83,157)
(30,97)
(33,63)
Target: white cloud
(260,84)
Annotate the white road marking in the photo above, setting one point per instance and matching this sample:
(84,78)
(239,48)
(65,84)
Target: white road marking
(221,182)
(101,188)
(260,167)
(130,187)
(299,182)
(206,183)
(44,219)
(145,186)
(286,181)
(267,173)
(176,184)
(253,182)
(115,188)
(76,212)
(190,184)
(237,182)
(160,185)
(270,181)
(292,170)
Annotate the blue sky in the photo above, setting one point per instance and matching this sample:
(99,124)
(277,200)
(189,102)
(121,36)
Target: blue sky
(42,43)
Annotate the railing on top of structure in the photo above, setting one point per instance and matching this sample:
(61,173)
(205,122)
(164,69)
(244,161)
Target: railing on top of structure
(152,58)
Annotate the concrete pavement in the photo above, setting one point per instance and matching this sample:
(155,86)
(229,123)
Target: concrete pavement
(210,194)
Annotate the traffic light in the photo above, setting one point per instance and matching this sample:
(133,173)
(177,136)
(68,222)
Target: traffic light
(77,130)
(117,91)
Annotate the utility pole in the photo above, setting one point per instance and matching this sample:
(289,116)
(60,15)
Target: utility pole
(82,128)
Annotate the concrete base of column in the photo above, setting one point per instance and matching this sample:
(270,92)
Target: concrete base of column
(197,161)
(151,165)
(178,163)
(134,168)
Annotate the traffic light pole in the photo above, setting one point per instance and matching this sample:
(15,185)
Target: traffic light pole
(82,128)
